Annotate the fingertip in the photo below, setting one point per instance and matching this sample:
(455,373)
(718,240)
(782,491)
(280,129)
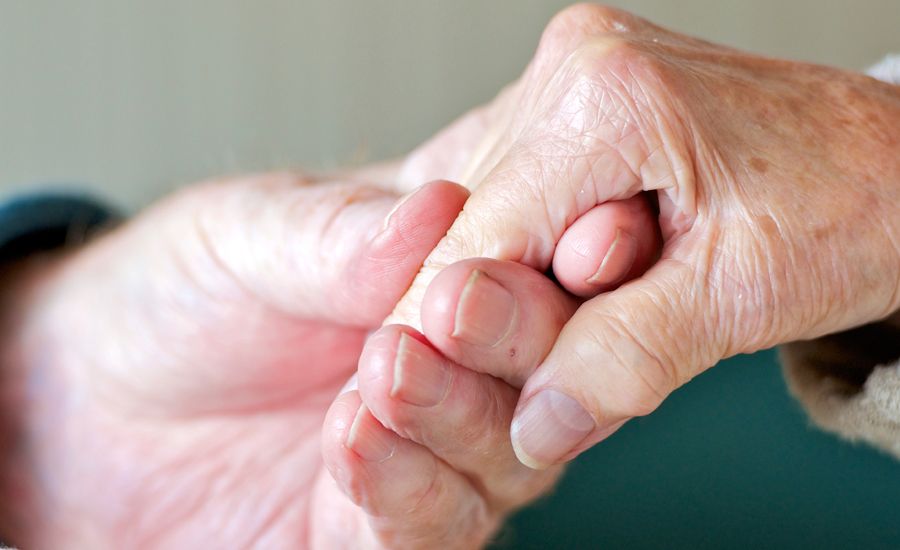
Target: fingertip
(354,446)
(335,430)
(542,439)
(374,467)
(378,365)
(436,201)
(444,304)
(351,433)
(495,317)
(339,418)
(413,227)
(438,309)
(368,439)
(547,425)
(607,246)
(526,459)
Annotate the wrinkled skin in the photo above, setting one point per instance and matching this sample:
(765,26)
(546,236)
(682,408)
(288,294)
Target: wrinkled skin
(778,186)
(184,409)
(166,386)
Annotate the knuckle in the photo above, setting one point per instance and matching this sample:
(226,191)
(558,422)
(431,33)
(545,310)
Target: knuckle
(651,372)
(426,496)
(463,524)
(650,380)
(375,367)
(421,494)
(613,59)
(480,421)
(634,375)
(608,82)
(581,24)
(585,18)
(651,342)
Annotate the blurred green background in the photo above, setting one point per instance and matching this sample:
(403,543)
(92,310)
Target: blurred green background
(133,99)
(728,461)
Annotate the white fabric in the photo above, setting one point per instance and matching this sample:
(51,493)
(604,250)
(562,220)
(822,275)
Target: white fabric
(887,70)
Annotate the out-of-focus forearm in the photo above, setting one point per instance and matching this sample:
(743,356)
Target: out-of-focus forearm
(37,232)
(20,282)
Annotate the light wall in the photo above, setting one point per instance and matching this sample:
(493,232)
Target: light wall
(134,98)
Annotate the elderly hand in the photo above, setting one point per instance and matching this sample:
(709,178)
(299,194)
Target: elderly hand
(778,186)
(169,382)
(167,385)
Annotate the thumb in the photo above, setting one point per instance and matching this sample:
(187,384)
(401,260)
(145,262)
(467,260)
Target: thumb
(237,293)
(577,141)
(341,253)
(620,356)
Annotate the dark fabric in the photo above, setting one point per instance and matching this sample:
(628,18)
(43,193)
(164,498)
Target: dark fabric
(39,222)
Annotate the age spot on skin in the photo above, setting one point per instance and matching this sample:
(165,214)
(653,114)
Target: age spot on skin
(759,165)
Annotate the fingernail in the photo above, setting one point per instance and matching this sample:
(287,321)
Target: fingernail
(387,219)
(420,378)
(369,439)
(549,426)
(485,311)
(618,260)
(352,384)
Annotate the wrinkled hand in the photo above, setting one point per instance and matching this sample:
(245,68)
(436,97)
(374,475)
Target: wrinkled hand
(171,379)
(777,185)
(168,383)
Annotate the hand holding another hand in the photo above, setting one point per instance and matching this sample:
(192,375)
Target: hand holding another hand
(777,184)
(172,384)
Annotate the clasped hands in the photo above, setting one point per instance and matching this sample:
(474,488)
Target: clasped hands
(692,202)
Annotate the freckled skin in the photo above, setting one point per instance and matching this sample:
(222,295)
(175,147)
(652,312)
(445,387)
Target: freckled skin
(759,165)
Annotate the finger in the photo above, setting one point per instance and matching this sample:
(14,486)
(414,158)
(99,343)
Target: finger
(609,245)
(412,498)
(600,129)
(499,318)
(618,357)
(461,416)
(385,266)
(340,253)
(294,274)
(563,34)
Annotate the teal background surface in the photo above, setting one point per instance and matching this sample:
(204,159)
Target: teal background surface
(728,461)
